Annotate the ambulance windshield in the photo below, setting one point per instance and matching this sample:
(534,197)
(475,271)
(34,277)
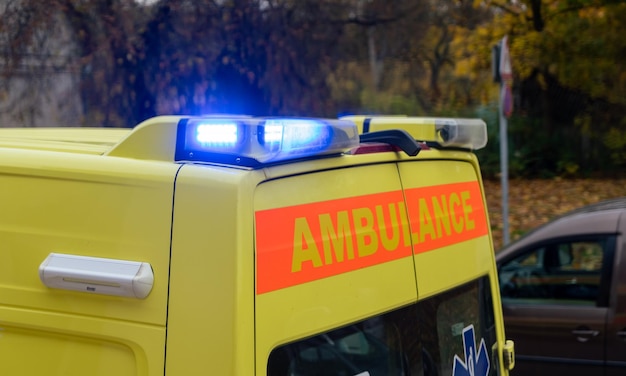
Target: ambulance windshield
(451,333)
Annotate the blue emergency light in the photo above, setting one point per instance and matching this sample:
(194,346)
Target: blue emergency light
(256,141)
(218,135)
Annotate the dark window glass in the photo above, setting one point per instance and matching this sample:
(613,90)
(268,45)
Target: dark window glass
(451,330)
(562,272)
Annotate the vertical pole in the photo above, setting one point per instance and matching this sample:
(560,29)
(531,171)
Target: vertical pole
(504,169)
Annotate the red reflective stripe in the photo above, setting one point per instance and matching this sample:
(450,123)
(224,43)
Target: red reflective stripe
(374,147)
(303,243)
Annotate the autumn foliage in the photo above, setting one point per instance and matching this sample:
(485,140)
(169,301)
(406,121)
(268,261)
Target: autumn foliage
(132,59)
(533,202)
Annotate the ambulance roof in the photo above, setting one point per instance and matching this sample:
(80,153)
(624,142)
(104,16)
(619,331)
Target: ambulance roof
(74,140)
(247,141)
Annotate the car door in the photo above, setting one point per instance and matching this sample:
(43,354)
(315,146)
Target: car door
(616,327)
(555,299)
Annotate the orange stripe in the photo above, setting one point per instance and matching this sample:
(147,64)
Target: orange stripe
(445,214)
(303,243)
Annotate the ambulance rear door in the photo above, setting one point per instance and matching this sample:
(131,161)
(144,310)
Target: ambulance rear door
(453,264)
(331,249)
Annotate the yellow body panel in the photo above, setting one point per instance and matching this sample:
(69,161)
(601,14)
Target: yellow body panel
(50,343)
(367,124)
(211,311)
(319,305)
(89,206)
(316,306)
(464,261)
(244,259)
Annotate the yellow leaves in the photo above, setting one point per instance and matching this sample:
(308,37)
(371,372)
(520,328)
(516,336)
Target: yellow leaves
(615,138)
(579,45)
(615,141)
(464,68)
(592,13)
(526,53)
(351,87)
(347,80)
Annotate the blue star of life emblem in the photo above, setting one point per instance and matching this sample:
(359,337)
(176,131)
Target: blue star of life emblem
(476,363)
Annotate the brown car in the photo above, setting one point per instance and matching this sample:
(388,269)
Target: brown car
(563,291)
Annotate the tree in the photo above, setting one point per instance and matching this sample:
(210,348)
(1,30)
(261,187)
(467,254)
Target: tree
(569,85)
(193,57)
(35,70)
(417,52)
(103,50)
(111,57)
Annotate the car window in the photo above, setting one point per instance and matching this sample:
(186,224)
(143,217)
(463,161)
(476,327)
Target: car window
(447,333)
(562,272)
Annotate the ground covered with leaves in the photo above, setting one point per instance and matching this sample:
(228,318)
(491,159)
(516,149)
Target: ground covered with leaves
(534,202)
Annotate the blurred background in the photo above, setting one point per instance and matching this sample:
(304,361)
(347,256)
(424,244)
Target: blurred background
(114,63)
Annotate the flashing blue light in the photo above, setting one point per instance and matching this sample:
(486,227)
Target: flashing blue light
(213,136)
(253,141)
(295,135)
(272,136)
(217,134)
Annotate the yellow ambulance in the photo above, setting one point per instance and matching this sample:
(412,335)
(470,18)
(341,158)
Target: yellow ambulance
(234,245)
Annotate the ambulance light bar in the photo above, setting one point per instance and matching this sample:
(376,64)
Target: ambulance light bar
(255,141)
(463,133)
(447,132)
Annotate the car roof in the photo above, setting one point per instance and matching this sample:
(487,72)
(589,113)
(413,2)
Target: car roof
(616,203)
(601,217)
